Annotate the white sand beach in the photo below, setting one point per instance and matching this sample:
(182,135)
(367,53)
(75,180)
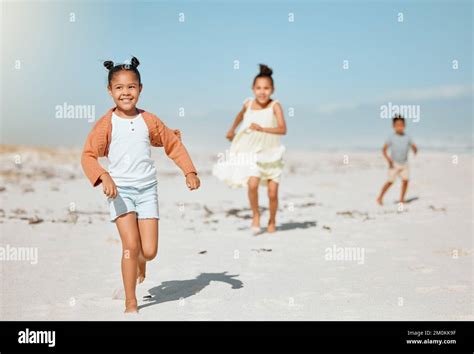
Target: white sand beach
(337,255)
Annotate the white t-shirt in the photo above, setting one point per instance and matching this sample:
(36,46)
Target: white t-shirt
(130,153)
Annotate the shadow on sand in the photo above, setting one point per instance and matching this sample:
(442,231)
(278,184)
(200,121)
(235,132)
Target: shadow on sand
(409,200)
(176,289)
(286,226)
(296,225)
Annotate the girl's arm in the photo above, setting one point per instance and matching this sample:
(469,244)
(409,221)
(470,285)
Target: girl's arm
(238,119)
(280,129)
(92,169)
(90,153)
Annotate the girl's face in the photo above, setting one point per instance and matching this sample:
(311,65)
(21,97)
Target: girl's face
(125,89)
(263,89)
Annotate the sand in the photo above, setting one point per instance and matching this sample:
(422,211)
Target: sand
(336,256)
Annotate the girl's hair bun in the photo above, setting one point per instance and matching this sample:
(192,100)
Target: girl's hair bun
(113,69)
(109,64)
(265,70)
(134,62)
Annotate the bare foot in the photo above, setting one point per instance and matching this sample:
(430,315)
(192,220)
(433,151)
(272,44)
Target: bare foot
(256,222)
(379,201)
(271,228)
(131,306)
(141,269)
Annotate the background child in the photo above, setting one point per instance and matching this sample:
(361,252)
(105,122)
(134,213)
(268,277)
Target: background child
(125,135)
(399,144)
(256,153)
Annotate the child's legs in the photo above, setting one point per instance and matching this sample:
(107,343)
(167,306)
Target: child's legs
(404,190)
(273,200)
(385,188)
(148,229)
(148,214)
(129,234)
(404,174)
(393,172)
(253,183)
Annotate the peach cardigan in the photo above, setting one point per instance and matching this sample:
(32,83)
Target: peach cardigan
(98,142)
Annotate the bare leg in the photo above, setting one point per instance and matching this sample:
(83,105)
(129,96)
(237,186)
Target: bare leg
(273,204)
(141,264)
(128,230)
(148,229)
(384,189)
(253,199)
(404,190)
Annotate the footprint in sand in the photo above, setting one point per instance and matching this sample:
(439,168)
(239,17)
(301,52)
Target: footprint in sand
(262,250)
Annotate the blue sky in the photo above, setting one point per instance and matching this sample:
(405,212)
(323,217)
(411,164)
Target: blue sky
(190,64)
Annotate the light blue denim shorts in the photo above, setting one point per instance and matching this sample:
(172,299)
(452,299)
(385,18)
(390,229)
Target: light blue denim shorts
(143,201)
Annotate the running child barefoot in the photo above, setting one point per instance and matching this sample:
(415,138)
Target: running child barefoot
(399,144)
(125,135)
(256,153)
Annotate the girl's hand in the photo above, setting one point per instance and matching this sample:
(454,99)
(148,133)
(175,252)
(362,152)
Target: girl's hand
(230,135)
(192,181)
(108,184)
(255,126)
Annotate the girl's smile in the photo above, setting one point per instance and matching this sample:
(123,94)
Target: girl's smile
(128,102)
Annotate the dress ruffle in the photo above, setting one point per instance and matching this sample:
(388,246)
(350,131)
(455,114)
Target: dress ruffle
(236,168)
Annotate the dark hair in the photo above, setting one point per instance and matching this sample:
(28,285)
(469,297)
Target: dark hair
(398,117)
(109,65)
(265,71)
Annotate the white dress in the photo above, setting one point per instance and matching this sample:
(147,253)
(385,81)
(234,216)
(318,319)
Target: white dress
(252,153)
